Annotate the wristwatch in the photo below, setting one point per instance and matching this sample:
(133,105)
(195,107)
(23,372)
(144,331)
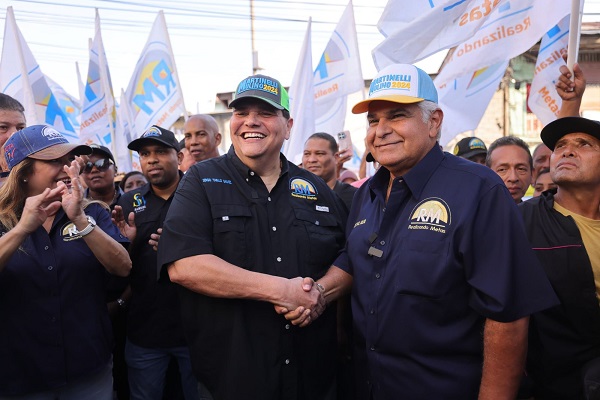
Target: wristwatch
(91,225)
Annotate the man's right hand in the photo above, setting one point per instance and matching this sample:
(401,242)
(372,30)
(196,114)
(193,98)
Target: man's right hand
(311,300)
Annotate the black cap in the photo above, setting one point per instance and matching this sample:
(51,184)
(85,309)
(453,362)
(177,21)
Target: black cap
(470,147)
(103,150)
(155,134)
(563,126)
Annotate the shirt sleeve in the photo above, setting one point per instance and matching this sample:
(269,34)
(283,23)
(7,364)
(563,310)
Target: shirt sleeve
(506,278)
(187,229)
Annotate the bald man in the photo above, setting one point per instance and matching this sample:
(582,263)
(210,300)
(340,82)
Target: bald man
(202,137)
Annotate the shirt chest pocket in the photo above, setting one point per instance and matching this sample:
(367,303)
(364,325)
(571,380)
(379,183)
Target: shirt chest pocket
(423,269)
(230,239)
(322,239)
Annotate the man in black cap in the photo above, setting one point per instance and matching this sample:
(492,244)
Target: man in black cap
(472,149)
(563,226)
(242,229)
(154,330)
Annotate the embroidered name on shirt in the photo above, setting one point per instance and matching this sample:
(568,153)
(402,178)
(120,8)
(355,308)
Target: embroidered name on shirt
(217,180)
(361,222)
(322,208)
(303,189)
(432,214)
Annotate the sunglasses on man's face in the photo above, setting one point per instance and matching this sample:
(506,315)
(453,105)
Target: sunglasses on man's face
(101,165)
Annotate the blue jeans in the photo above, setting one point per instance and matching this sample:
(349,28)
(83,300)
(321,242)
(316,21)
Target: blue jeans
(147,370)
(98,386)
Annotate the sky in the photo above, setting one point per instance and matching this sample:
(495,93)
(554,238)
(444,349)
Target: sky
(211,40)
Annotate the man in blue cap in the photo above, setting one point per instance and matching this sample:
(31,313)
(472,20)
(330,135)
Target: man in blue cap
(443,278)
(241,231)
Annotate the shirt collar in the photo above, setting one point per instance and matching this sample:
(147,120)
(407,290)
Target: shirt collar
(245,171)
(416,178)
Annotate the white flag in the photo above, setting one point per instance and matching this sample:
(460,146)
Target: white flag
(415,30)
(21,78)
(301,102)
(337,75)
(543,100)
(154,93)
(465,99)
(98,110)
(122,135)
(511,29)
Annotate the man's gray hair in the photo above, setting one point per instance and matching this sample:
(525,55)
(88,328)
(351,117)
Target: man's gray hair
(427,108)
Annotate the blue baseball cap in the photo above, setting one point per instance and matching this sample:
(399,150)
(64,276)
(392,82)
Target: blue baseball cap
(40,142)
(399,83)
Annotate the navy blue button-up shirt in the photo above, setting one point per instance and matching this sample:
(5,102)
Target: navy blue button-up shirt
(53,316)
(446,251)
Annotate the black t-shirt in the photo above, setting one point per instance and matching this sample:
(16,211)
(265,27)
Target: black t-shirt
(242,348)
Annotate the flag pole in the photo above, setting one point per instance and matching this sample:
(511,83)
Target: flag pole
(574,32)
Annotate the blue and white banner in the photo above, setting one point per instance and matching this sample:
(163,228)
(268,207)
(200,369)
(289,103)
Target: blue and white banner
(337,75)
(154,94)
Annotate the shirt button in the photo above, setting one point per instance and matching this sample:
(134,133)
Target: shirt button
(316,222)
(378,275)
(274,228)
(287,326)
(46,248)
(278,259)
(383,209)
(269,198)
(251,173)
(372,312)
(287,361)
(372,348)
(382,243)
(50,267)
(247,180)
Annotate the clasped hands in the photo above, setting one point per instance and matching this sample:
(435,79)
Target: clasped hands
(303,302)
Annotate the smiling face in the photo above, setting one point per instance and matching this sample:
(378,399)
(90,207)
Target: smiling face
(575,160)
(398,137)
(10,122)
(258,131)
(46,174)
(319,159)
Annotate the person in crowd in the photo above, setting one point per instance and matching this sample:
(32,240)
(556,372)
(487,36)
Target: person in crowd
(319,157)
(55,247)
(563,226)
(12,119)
(510,158)
(259,222)
(154,329)
(133,180)
(472,149)
(187,160)
(99,176)
(543,182)
(541,160)
(202,137)
(440,307)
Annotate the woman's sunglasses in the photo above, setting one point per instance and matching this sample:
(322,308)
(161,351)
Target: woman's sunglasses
(101,165)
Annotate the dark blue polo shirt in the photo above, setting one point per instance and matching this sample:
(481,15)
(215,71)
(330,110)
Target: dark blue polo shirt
(447,251)
(54,321)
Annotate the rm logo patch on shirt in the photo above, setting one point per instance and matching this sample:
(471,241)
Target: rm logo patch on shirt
(69,232)
(431,214)
(303,189)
